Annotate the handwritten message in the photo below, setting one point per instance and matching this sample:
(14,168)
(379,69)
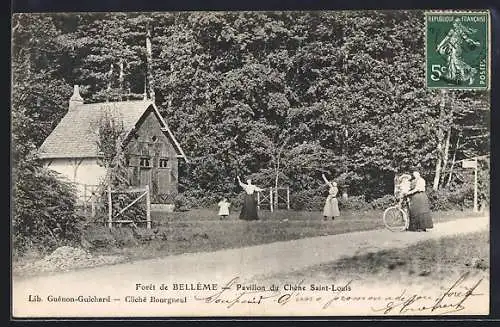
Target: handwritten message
(453,299)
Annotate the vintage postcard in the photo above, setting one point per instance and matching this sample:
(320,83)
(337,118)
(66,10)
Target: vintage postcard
(229,164)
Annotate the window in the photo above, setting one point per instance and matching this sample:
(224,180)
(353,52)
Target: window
(163,163)
(145,162)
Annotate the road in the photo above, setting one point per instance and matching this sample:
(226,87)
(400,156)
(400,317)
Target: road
(119,281)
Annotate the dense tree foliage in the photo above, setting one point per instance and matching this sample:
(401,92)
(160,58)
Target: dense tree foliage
(278,97)
(44,207)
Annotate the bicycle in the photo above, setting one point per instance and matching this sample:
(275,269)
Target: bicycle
(396,217)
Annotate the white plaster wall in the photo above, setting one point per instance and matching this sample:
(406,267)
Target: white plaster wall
(87,172)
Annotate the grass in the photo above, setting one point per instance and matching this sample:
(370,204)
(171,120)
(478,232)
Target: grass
(201,230)
(433,260)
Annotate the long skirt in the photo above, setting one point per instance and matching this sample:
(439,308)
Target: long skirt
(420,212)
(331,208)
(249,210)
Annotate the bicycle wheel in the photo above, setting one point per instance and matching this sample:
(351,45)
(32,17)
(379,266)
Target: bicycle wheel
(395,219)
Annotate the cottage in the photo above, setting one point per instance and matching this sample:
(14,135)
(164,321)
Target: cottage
(150,147)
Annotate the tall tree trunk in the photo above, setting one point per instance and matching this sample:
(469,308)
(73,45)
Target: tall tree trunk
(450,174)
(447,142)
(440,137)
(120,79)
(277,172)
(445,155)
(276,176)
(110,76)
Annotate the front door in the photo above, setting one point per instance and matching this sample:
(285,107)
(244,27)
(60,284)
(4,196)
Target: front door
(146,177)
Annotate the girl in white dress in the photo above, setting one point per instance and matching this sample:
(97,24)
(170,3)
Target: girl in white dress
(224,208)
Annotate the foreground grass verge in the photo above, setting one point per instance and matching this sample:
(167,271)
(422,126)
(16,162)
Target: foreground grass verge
(430,262)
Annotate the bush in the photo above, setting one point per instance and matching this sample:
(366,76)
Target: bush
(44,215)
(181,203)
(383,202)
(306,200)
(189,200)
(311,200)
(459,197)
(353,203)
(439,200)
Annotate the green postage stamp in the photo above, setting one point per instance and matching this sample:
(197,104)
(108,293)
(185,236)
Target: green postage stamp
(458,50)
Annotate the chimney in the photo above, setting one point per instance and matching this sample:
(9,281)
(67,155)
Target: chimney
(76,99)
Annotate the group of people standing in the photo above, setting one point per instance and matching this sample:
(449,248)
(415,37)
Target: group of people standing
(411,191)
(249,209)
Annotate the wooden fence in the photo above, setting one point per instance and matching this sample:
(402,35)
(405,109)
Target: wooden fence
(274,198)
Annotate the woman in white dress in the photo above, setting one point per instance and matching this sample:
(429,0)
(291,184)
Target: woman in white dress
(331,208)
(249,210)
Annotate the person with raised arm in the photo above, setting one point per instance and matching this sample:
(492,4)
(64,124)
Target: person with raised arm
(331,208)
(249,209)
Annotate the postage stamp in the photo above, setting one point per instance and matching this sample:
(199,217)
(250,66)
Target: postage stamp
(457,50)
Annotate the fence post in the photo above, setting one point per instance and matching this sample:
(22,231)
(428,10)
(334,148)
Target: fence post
(277,200)
(288,198)
(271,198)
(258,200)
(148,208)
(110,208)
(475,206)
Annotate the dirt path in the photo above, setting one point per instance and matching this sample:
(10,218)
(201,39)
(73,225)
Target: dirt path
(249,262)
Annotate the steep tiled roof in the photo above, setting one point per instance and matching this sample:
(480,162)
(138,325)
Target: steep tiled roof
(76,134)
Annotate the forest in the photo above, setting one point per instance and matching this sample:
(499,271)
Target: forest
(278,97)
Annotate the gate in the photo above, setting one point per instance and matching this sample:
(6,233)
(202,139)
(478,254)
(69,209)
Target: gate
(264,199)
(274,198)
(143,192)
(281,197)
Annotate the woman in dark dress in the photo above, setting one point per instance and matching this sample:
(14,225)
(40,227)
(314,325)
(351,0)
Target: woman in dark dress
(249,210)
(420,211)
